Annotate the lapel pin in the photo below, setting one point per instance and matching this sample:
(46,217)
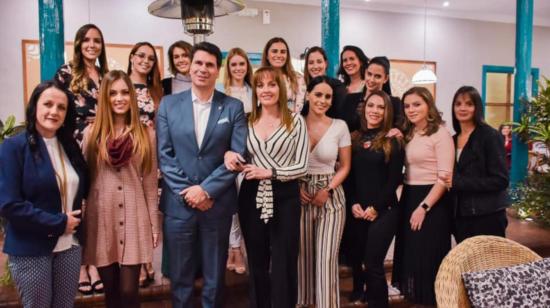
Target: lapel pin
(220,108)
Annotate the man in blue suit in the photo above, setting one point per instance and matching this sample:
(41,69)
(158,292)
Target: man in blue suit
(194,130)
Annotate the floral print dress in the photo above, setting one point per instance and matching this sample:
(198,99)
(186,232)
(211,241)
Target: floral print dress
(146,105)
(85,101)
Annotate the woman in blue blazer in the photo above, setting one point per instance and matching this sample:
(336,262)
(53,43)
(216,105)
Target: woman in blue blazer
(43,178)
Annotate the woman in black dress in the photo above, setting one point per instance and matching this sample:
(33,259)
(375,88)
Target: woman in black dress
(480,180)
(82,78)
(377,164)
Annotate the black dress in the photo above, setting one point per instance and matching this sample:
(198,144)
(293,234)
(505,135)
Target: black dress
(85,101)
(373,182)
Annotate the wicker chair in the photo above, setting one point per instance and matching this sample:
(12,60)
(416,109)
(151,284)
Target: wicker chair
(475,254)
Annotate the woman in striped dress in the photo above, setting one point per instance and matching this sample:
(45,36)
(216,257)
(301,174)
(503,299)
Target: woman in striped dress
(322,197)
(269,198)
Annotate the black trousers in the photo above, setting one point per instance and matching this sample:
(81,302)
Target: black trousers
(272,247)
(373,240)
(489,224)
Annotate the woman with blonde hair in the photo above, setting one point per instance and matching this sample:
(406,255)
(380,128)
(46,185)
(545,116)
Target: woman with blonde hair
(122,217)
(269,198)
(276,54)
(237,83)
(143,69)
(81,77)
(424,234)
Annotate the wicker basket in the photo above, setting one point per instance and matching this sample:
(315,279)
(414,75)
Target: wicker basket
(475,254)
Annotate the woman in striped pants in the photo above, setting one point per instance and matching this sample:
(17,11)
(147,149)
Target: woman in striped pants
(322,198)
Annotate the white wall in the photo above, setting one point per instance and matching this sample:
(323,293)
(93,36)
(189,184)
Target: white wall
(460,47)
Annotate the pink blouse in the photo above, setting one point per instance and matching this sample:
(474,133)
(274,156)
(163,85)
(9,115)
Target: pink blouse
(429,158)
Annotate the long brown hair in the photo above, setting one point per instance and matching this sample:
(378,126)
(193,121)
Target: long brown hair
(434,117)
(227,77)
(103,127)
(79,81)
(287,69)
(380,142)
(154,83)
(260,75)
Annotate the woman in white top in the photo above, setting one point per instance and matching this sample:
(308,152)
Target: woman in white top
(277,55)
(269,198)
(237,80)
(322,198)
(43,178)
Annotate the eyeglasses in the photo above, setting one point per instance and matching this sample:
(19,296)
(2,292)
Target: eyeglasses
(142,56)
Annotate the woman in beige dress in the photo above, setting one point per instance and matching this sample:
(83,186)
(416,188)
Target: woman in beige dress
(121,220)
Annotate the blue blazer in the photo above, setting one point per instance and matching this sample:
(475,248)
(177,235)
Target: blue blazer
(183,163)
(30,199)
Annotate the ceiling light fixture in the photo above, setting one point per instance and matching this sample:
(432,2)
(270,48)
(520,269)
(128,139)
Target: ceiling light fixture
(424,75)
(446,4)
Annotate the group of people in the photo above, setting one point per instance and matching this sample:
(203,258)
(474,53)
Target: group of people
(300,167)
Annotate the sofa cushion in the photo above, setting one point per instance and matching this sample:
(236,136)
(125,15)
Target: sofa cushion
(524,285)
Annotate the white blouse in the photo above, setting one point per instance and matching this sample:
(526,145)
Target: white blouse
(322,158)
(65,241)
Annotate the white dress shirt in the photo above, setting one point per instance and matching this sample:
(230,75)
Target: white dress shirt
(201,113)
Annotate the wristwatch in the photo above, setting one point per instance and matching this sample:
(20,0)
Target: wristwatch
(425,207)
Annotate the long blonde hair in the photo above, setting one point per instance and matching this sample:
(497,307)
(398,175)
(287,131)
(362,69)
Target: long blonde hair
(259,75)
(228,78)
(287,69)
(79,81)
(103,127)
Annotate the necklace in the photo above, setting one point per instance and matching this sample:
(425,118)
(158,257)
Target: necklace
(62,179)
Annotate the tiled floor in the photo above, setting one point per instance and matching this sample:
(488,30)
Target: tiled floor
(157,295)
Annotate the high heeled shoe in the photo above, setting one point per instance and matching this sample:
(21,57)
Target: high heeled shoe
(230,260)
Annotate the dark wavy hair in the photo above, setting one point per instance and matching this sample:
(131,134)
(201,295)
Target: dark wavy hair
(64,134)
(474,96)
(385,63)
(154,83)
(363,59)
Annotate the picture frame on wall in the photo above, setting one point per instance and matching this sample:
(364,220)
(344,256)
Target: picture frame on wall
(117,59)
(401,73)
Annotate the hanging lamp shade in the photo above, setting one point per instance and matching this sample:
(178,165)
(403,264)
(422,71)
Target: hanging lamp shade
(424,76)
(172,8)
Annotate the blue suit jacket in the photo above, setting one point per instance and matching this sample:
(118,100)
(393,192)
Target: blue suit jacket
(184,164)
(30,198)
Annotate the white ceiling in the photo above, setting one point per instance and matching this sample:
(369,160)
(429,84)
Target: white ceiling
(487,10)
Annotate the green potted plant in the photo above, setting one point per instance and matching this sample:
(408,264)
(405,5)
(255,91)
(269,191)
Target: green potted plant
(7,129)
(532,199)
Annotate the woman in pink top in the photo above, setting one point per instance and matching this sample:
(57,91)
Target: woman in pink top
(424,235)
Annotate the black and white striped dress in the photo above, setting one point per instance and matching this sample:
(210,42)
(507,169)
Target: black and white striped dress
(286,152)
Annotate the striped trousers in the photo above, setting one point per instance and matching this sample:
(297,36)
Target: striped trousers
(320,234)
